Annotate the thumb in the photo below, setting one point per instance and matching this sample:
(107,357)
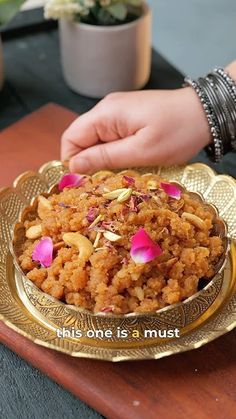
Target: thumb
(113,155)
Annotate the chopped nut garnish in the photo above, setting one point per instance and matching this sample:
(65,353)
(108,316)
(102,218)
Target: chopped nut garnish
(111,236)
(114,194)
(124,196)
(82,243)
(194,219)
(100,217)
(34,232)
(100,248)
(44,205)
(96,241)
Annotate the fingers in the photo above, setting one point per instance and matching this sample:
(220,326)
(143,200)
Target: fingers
(112,155)
(98,124)
(80,134)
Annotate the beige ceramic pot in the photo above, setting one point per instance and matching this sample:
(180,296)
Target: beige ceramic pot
(97,60)
(1,65)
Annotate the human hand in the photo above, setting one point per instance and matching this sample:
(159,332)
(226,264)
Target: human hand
(137,129)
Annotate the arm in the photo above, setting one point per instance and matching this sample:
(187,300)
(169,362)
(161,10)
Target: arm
(138,129)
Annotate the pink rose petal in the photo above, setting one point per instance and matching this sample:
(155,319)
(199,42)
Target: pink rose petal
(43,252)
(91,214)
(130,180)
(108,309)
(109,225)
(133,203)
(143,248)
(70,180)
(171,190)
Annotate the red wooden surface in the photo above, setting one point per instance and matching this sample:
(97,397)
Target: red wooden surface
(197,384)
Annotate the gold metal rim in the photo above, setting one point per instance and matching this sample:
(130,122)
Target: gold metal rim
(213,208)
(195,177)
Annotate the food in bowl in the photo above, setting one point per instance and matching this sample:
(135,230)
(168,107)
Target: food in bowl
(120,243)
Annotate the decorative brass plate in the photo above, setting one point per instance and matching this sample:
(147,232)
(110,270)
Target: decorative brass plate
(36,315)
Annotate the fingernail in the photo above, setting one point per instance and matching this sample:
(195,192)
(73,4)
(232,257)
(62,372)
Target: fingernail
(80,165)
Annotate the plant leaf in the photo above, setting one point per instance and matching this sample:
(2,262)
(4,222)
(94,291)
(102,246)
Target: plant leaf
(135,3)
(8,9)
(118,11)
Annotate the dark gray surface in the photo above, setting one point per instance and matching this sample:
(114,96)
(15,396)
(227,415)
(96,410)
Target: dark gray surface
(33,78)
(26,393)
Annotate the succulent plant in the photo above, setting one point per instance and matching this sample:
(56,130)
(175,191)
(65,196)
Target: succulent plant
(95,12)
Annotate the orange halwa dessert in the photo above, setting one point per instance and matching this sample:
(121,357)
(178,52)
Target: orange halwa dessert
(120,243)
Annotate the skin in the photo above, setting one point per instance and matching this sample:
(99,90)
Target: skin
(142,128)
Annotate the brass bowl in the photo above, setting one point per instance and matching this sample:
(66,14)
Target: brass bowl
(180,315)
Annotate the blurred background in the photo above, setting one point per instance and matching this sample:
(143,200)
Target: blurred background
(194,35)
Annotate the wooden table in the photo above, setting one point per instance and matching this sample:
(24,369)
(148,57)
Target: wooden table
(196,384)
(200,384)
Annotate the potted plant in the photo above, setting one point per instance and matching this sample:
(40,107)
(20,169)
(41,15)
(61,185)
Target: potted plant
(8,8)
(105,44)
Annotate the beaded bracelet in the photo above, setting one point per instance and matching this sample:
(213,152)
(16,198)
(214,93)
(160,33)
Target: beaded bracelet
(217,93)
(215,149)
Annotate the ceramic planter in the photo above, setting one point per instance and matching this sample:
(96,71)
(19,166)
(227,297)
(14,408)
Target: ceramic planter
(97,60)
(1,65)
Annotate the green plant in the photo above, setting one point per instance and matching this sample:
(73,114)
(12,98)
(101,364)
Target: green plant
(8,8)
(95,12)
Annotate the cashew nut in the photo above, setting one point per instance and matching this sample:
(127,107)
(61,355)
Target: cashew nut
(34,232)
(43,206)
(194,219)
(81,242)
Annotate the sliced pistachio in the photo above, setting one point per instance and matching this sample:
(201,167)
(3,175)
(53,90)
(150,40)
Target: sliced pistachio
(194,219)
(112,237)
(82,243)
(124,196)
(99,218)
(96,241)
(100,248)
(34,232)
(44,205)
(114,194)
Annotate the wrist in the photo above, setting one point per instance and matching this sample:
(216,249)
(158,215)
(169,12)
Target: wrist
(231,69)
